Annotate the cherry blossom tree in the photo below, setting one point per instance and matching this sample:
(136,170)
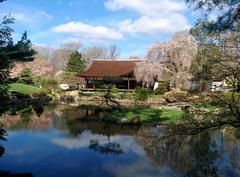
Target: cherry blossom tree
(169,59)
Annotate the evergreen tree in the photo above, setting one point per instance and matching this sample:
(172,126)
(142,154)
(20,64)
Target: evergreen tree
(76,63)
(10,52)
(23,50)
(227,20)
(26,77)
(5,60)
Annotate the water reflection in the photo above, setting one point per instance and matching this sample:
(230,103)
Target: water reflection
(2,138)
(106,148)
(2,150)
(62,142)
(211,153)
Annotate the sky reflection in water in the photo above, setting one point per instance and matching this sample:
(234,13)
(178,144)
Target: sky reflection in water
(60,144)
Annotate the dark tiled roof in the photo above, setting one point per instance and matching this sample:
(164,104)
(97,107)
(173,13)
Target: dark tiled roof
(110,68)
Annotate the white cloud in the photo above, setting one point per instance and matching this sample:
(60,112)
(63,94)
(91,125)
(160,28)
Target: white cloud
(88,31)
(69,40)
(151,26)
(21,17)
(81,141)
(142,167)
(147,7)
(155,16)
(127,143)
(35,18)
(42,45)
(43,15)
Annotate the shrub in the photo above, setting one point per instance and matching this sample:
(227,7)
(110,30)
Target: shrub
(163,87)
(48,83)
(114,90)
(141,94)
(187,116)
(176,96)
(230,97)
(45,91)
(26,76)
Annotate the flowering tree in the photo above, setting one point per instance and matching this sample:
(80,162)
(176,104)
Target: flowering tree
(172,58)
(147,72)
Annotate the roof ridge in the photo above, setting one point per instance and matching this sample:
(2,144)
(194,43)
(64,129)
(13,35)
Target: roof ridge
(116,59)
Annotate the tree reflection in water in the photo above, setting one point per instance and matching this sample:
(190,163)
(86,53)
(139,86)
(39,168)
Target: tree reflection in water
(203,151)
(210,153)
(107,148)
(2,150)
(2,134)
(8,174)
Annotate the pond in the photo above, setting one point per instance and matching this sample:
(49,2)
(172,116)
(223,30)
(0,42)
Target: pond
(62,142)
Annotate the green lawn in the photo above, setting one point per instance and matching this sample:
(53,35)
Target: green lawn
(24,89)
(146,115)
(119,95)
(208,106)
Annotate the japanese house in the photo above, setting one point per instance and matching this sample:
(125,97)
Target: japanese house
(111,68)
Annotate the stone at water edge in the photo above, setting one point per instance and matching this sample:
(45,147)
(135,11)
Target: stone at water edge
(124,121)
(135,120)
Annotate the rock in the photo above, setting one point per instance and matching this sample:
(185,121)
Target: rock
(135,120)
(124,121)
(67,98)
(102,115)
(194,98)
(176,96)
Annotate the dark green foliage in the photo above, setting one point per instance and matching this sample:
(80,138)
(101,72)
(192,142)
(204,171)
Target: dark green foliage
(227,20)
(5,60)
(2,133)
(141,94)
(10,52)
(22,51)
(26,77)
(163,87)
(76,63)
(203,65)
(2,137)
(187,116)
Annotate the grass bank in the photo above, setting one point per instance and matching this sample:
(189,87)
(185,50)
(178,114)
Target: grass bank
(145,115)
(24,89)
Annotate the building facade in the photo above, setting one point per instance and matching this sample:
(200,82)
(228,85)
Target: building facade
(120,68)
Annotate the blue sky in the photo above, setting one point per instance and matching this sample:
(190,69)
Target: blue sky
(133,25)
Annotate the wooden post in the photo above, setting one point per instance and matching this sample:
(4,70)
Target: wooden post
(94,86)
(128,83)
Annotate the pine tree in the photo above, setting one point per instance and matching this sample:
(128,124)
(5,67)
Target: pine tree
(10,52)
(76,63)
(26,76)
